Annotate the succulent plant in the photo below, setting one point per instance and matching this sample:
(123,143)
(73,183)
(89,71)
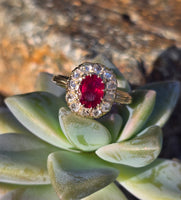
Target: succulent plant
(48,152)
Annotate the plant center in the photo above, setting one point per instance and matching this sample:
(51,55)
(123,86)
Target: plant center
(92,91)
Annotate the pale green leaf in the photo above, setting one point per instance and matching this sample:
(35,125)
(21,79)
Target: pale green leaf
(122,82)
(44,83)
(38,112)
(86,134)
(159,181)
(77,175)
(113,123)
(32,193)
(5,188)
(139,111)
(137,152)
(23,159)
(9,124)
(167,96)
(110,192)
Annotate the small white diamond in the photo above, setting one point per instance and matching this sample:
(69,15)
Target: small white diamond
(76,74)
(87,68)
(106,107)
(70,97)
(97,113)
(108,75)
(75,107)
(97,68)
(111,85)
(109,97)
(85,112)
(73,85)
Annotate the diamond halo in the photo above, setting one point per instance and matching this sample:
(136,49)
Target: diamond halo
(101,94)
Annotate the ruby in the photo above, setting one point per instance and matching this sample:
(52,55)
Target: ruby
(92,91)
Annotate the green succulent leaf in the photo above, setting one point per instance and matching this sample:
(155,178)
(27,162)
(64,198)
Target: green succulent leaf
(113,123)
(168,93)
(110,192)
(5,188)
(44,83)
(122,82)
(9,124)
(23,159)
(137,152)
(38,112)
(139,111)
(77,175)
(45,192)
(161,180)
(86,134)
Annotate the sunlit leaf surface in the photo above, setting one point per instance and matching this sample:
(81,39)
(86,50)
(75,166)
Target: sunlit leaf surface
(23,159)
(86,134)
(137,152)
(139,111)
(110,192)
(32,193)
(38,112)
(75,176)
(159,181)
(9,124)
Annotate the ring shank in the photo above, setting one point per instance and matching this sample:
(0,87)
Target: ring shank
(61,80)
(122,97)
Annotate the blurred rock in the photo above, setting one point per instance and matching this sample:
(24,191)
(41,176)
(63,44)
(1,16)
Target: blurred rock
(168,65)
(48,35)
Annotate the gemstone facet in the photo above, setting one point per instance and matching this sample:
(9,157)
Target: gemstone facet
(92,91)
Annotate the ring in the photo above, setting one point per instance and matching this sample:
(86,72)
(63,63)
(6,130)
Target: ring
(91,90)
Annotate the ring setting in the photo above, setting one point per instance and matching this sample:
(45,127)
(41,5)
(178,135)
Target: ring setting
(91,90)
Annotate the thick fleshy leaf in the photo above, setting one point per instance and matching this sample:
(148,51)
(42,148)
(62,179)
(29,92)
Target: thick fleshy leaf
(45,192)
(167,96)
(77,175)
(122,82)
(110,192)
(113,123)
(86,134)
(137,152)
(9,124)
(161,180)
(38,112)
(44,83)
(139,111)
(23,159)
(5,188)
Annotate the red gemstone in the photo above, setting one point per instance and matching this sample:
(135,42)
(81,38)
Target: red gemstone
(92,91)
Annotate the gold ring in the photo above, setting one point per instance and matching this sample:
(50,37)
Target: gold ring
(91,90)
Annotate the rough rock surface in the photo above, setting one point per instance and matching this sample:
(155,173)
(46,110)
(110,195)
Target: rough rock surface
(46,35)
